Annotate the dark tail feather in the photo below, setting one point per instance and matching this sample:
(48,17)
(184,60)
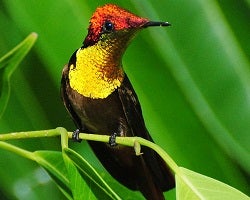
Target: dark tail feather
(161,173)
(147,185)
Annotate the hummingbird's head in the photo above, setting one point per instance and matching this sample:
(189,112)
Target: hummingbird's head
(96,68)
(111,21)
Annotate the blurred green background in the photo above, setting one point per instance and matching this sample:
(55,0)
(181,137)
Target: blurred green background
(193,81)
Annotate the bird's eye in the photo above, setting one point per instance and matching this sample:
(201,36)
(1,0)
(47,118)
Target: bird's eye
(108,27)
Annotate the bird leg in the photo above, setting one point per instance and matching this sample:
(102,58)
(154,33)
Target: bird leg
(75,135)
(112,139)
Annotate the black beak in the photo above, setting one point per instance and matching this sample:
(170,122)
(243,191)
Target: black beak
(150,23)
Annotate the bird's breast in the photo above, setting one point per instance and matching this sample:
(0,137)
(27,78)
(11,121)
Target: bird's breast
(95,74)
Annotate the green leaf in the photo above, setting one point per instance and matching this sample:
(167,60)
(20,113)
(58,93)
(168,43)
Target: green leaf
(95,181)
(79,186)
(52,162)
(84,182)
(192,185)
(8,64)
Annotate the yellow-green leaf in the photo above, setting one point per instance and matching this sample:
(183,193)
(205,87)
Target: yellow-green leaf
(192,185)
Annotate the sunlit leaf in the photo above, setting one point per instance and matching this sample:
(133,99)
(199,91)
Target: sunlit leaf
(192,185)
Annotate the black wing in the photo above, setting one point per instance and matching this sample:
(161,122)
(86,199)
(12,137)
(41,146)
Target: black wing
(132,109)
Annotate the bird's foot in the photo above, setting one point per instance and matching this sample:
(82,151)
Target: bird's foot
(75,135)
(112,139)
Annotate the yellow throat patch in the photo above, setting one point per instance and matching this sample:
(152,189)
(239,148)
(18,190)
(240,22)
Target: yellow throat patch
(95,74)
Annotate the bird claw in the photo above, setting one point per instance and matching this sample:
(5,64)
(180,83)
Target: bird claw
(75,135)
(112,139)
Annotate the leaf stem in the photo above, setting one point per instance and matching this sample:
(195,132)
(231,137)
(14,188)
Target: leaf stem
(29,134)
(64,137)
(17,150)
(128,141)
(132,142)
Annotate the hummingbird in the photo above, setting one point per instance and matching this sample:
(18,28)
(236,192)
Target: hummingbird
(99,97)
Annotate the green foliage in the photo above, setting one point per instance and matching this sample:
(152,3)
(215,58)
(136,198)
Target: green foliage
(192,80)
(77,179)
(191,185)
(8,64)
(88,173)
